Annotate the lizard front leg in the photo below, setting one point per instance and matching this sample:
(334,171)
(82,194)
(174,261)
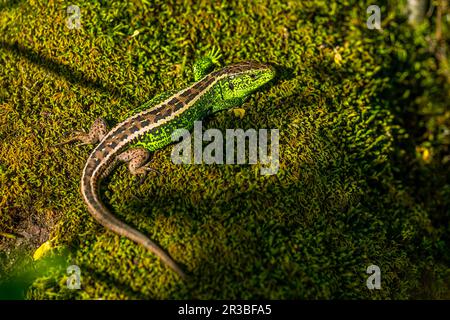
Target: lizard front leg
(96,133)
(204,65)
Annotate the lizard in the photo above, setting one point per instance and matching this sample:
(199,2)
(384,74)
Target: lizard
(149,127)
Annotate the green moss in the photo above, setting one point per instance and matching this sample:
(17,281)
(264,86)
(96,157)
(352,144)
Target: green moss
(351,190)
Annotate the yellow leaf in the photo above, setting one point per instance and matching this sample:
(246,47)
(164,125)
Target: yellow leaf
(239,112)
(426,154)
(337,58)
(42,250)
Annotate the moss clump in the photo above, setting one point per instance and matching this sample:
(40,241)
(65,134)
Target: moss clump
(351,190)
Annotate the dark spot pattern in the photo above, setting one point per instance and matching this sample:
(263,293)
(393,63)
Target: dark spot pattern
(185,93)
(120,130)
(156,111)
(113,144)
(101,146)
(173,101)
(99,155)
(134,129)
(159,116)
(178,106)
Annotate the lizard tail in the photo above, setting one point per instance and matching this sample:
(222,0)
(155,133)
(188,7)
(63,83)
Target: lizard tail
(109,221)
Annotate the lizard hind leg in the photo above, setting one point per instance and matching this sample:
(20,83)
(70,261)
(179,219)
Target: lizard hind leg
(96,133)
(137,159)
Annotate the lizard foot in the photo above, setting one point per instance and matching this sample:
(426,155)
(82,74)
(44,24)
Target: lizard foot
(137,159)
(96,133)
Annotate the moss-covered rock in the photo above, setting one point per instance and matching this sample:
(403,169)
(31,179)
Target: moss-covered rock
(354,188)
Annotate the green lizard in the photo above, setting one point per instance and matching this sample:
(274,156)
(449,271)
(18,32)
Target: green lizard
(149,128)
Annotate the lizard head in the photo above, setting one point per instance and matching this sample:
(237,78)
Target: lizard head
(239,80)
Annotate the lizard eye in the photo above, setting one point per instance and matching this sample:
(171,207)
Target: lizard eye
(231,86)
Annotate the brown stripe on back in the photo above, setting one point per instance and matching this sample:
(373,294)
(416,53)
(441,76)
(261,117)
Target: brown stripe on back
(99,154)
(178,106)
(182,99)
(165,112)
(133,129)
(87,182)
(209,81)
(169,110)
(189,93)
(89,170)
(185,93)
(113,144)
(155,111)
(148,119)
(199,86)
(191,97)
(174,101)
(122,136)
(138,124)
(145,119)
(202,86)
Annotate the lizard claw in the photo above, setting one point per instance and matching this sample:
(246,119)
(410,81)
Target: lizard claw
(214,54)
(148,169)
(142,179)
(76,136)
(143,172)
(82,144)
